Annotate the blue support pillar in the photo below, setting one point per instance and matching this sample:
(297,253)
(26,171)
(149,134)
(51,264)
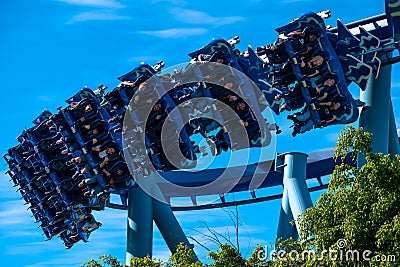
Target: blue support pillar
(165,219)
(140,224)
(168,225)
(285,228)
(394,147)
(142,209)
(374,117)
(296,198)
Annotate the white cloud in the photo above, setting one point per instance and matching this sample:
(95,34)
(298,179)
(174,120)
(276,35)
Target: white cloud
(197,17)
(161,254)
(45,98)
(396,85)
(176,32)
(144,59)
(98,15)
(38,247)
(13,212)
(293,1)
(174,2)
(332,137)
(94,3)
(65,259)
(31,232)
(6,188)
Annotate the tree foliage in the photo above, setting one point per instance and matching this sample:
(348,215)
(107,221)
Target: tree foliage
(103,261)
(184,257)
(226,256)
(360,211)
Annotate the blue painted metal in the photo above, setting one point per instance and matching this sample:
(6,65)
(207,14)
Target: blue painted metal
(140,224)
(394,146)
(320,163)
(168,225)
(392,8)
(257,71)
(142,210)
(382,32)
(295,195)
(285,228)
(143,70)
(234,203)
(374,116)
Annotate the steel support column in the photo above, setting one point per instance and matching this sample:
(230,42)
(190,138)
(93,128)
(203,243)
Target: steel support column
(374,117)
(140,224)
(296,198)
(168,225)
(394,147)
(285,228)
(146,202)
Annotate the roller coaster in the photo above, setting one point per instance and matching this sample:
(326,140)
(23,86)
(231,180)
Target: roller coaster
(145,139)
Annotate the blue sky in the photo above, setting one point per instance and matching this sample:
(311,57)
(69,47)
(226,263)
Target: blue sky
(52,48)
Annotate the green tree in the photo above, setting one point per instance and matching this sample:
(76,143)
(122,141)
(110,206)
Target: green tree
(257,258)
(111,261)
(103,261)
(145,262)
(360,211)
(226,256)
(184,257)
